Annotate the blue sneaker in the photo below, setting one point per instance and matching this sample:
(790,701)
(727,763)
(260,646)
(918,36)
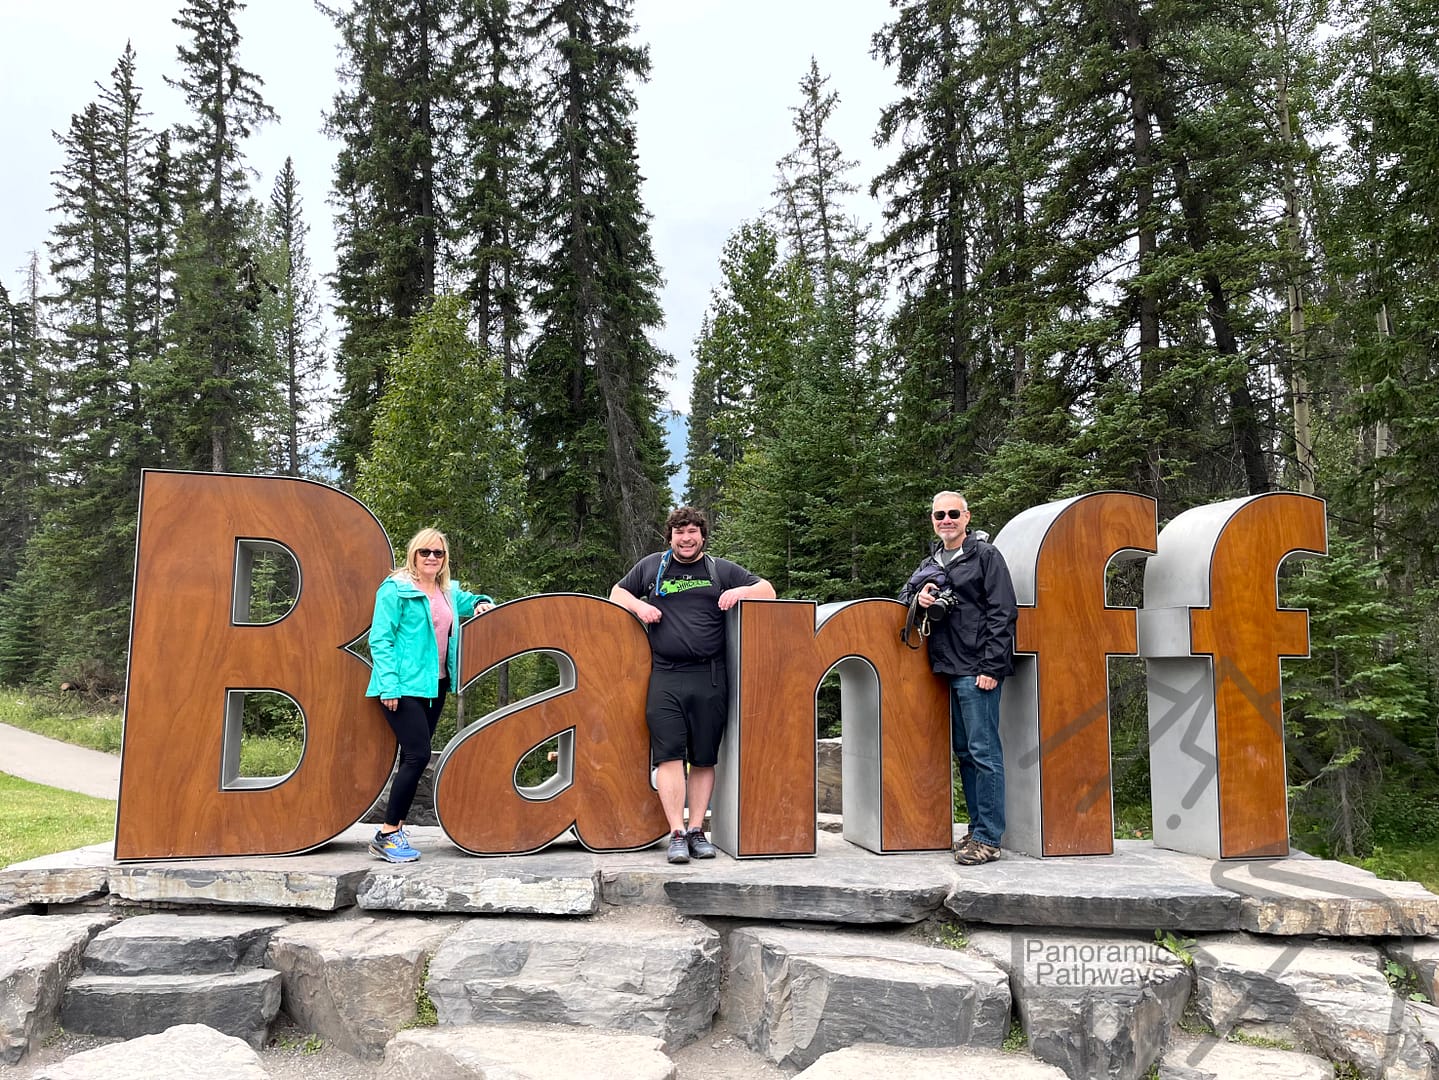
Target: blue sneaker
(393,847)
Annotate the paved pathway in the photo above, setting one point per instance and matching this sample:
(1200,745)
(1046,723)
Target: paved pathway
(56,764)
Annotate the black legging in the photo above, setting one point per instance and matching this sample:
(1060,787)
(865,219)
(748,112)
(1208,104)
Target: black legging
(413,720)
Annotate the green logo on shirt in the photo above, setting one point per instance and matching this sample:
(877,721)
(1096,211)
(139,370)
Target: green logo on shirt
(669,588)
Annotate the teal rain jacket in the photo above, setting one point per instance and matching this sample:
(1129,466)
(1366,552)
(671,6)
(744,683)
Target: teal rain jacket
(402,640)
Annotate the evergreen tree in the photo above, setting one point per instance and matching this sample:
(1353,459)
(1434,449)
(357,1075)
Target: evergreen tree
(216,378)
(77,576)
(292,329)
(809,496)
(446,452)
(22,405)
(596,455)
(394,89)
(746,356)
(488,156)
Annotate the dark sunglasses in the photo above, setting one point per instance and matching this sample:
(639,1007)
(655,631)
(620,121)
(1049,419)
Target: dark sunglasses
(425,553)
(940,515)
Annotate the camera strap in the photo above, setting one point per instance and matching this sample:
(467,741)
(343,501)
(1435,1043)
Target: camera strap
(916,624)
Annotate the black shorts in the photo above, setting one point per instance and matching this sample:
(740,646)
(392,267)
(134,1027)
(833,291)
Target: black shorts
(687,712)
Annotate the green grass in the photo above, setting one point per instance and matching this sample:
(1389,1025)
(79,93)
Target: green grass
(64,718)
(74,722)
(1415,863)
(37,820)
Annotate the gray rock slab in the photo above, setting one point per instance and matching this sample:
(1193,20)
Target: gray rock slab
(1094,1004)
(564,883)
(170,944)
(1427,1017)
(241,1003)
(322,880)
(353,981)
(192,1051)
(797,994)
(9,911)
(868,1062)
(38,953)
(524,1052)
(842,883)
(1326,898)
(1139,887)
(1332,996)
(62,878)
(1189,1057)
(637,971)
(1421,956)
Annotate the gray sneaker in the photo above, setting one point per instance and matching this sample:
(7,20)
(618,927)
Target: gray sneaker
(700,847)
(679,848)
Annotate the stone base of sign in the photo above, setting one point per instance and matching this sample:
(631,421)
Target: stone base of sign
(634,959)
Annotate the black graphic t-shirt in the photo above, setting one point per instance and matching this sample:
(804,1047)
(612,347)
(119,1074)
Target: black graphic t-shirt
(691,630)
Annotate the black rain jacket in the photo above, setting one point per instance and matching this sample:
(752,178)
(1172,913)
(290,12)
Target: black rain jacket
(977,635)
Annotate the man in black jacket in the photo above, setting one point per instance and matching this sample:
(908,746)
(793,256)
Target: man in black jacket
(966,594)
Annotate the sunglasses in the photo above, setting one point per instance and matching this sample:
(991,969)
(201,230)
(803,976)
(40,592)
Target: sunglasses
(940,515)
(426,553)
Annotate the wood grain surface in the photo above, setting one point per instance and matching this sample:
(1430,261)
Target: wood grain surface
(186,654)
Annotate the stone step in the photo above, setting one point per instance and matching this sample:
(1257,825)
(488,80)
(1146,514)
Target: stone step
(353,982)
(1092,1004)
(795,995)
(193,1051)
(38,953)
(1189,1057)
(625,971)
(241,1003)
(181,944)
(1328,997)
(868,1062)
(525,1052)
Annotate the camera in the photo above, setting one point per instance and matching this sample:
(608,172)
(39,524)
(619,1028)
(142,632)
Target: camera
(945,599)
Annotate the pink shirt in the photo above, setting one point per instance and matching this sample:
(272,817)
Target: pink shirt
(443,619)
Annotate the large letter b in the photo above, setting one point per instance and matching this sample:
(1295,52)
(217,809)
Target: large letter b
(191,655)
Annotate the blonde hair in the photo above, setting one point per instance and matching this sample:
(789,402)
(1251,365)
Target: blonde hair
(426,538)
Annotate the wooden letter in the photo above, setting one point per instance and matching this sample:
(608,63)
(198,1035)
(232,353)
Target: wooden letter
(191,655)
(1054,712)
(896,730)
(1212,634)
(602,787)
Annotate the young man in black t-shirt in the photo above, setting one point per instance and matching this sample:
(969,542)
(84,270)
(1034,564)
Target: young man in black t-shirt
(681,595)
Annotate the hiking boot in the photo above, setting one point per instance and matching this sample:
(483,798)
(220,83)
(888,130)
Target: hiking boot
(679,848)
(700,847)
(393,847)
(962,843)
(975,853)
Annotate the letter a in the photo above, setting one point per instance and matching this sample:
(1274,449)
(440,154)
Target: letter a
(191,659)
(1212,634)
(602,786)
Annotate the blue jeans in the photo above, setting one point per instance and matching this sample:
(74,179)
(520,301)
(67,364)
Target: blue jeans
(974,729)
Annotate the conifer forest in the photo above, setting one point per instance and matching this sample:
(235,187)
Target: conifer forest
(1187,250)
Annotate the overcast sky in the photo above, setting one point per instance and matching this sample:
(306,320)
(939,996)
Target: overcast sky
(713,119)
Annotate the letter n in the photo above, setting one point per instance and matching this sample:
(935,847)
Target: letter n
(896,786)
(192,657)
(602,784)
(1212,634)
(1054,712)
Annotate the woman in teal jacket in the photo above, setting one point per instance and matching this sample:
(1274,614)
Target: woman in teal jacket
(415,652)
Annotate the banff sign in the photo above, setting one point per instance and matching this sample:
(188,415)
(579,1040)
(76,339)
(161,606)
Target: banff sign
(1211,633)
